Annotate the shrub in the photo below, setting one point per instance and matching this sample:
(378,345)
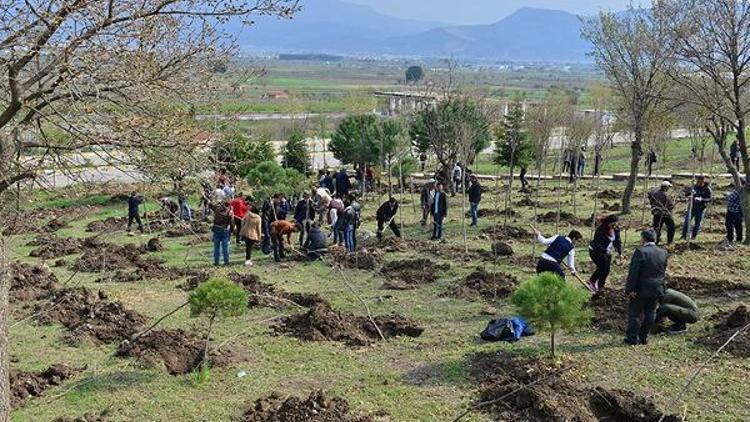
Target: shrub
(551,304)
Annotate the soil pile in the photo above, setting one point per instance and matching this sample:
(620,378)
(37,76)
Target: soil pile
(108,225)
(685,247)
(510,232)
(492,212)
(697,287)
(729,323)
(565,217)
(102,416)
(610,310)
(485,285)
(179,352)
(153,245)
(387,244)
(410,274)
(318,407)
(362,259)
(31,282)
(502,249)
(523,389)
(184,229)
(321,323)
(608,194)
(89,317)
(110,257)
(51,246)
(527,202)
(266,295)
(25,385)
(194,281)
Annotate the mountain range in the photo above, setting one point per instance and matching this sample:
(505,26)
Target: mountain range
(338,27)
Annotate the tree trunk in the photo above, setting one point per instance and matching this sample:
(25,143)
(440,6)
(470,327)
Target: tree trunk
(4,344)
(552,342)
(635,158)
(205,362)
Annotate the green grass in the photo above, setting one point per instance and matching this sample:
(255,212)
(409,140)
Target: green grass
(425,378)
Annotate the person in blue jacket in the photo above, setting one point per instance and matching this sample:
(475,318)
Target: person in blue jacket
(558,248)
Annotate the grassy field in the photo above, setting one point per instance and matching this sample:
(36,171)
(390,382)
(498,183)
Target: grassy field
(401,379)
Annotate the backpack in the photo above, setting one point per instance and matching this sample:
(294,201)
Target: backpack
(506,329)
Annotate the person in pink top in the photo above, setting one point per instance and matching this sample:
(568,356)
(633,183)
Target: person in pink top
(239,208)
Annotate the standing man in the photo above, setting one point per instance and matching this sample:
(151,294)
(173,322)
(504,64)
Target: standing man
(733,220)
(342,184)
(426,197)
(558,247)
(597,161)
(221,231)
(422,162)
(458,175)
(581,162)
(475,196)
(439,211)
(701,194)
(134,202)
(651,160)
(304,215)
(662,206)
(567,161)
(644,287)
(250,231)
(327,182)
(734,154)
(351,222)
(239,208)
(386,216)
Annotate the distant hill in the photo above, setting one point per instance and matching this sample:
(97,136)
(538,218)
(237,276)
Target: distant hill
(337,27)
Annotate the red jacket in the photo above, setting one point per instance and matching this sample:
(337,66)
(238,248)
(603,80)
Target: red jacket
(239,207)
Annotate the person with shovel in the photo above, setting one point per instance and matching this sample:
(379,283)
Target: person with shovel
(606,241)
(386,216)
(558,248)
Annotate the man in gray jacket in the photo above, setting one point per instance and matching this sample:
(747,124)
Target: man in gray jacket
(645,287)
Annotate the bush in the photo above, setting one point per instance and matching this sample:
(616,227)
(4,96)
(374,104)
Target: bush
(268,178)
(551,304)
(296,155)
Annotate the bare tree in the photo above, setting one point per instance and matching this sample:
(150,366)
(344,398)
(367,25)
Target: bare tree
(580,129)
(635,51)
(712,39)
(82,74)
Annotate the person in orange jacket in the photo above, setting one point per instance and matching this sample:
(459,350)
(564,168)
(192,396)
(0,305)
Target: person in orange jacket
(279,229)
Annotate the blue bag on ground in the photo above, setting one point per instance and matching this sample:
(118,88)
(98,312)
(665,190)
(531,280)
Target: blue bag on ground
(506,329)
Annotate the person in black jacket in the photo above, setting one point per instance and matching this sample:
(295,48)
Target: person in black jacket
(315,244)
(304,215)
(438,209)
(662,206)
(134,201)
(606,241)
(701,195)
(475,196)
(645,287)
(386,215)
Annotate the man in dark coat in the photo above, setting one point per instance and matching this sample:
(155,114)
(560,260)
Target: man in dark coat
(304,215)
(701,195)
(386,216)
(439,210)
(134,201)
(662,206)
(342,184)
(327,182)
(315,245)
(644,287)
(475,196)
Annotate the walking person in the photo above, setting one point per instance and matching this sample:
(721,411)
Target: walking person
(701,194)
(134,203)
(439,211)
(239,208)
(606,241)
(644,288)
(558,249)
(733,220)
(386,216)
(221,231)
(525,185)
(475,196)
(304,215)
(662,206)
(250,231)
(426,198)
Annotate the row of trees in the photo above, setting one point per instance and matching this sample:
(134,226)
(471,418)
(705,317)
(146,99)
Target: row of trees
(687,55)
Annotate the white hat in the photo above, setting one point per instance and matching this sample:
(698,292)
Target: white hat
(432,181)
(666,184)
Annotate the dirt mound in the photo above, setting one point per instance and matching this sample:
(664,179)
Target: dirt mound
(502,249)
(51,246)
(363,259)
(527,202)
(510,232)
(608,194)
(410,274)
(610,310)
(483,284)
(613,207)
(697,287)
(110,257)
(322,323)
(685,247)
(565,217)
(25,385)
(318,407)
(178,351)
(266,295)
(89,317)
(195,280)
(153,245)
(387,244)
(108,225)
(523,389)
(492,212)
(185,229)
(150,270)
(729,323)
(31,282)
(102,416)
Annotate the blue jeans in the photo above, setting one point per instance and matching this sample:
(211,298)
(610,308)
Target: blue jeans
(221,244)
(474,216)
(349,238)
(697,215)
(437,228)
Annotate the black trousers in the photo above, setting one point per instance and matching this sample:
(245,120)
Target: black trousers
(546,266)
(522,176)
(661,220)
(641,317)
(237,227)
(137,218)
(278,247)
(392,225)
(603,263)
(733,223)
(249,243)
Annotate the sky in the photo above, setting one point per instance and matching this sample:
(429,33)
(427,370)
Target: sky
(480,11)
